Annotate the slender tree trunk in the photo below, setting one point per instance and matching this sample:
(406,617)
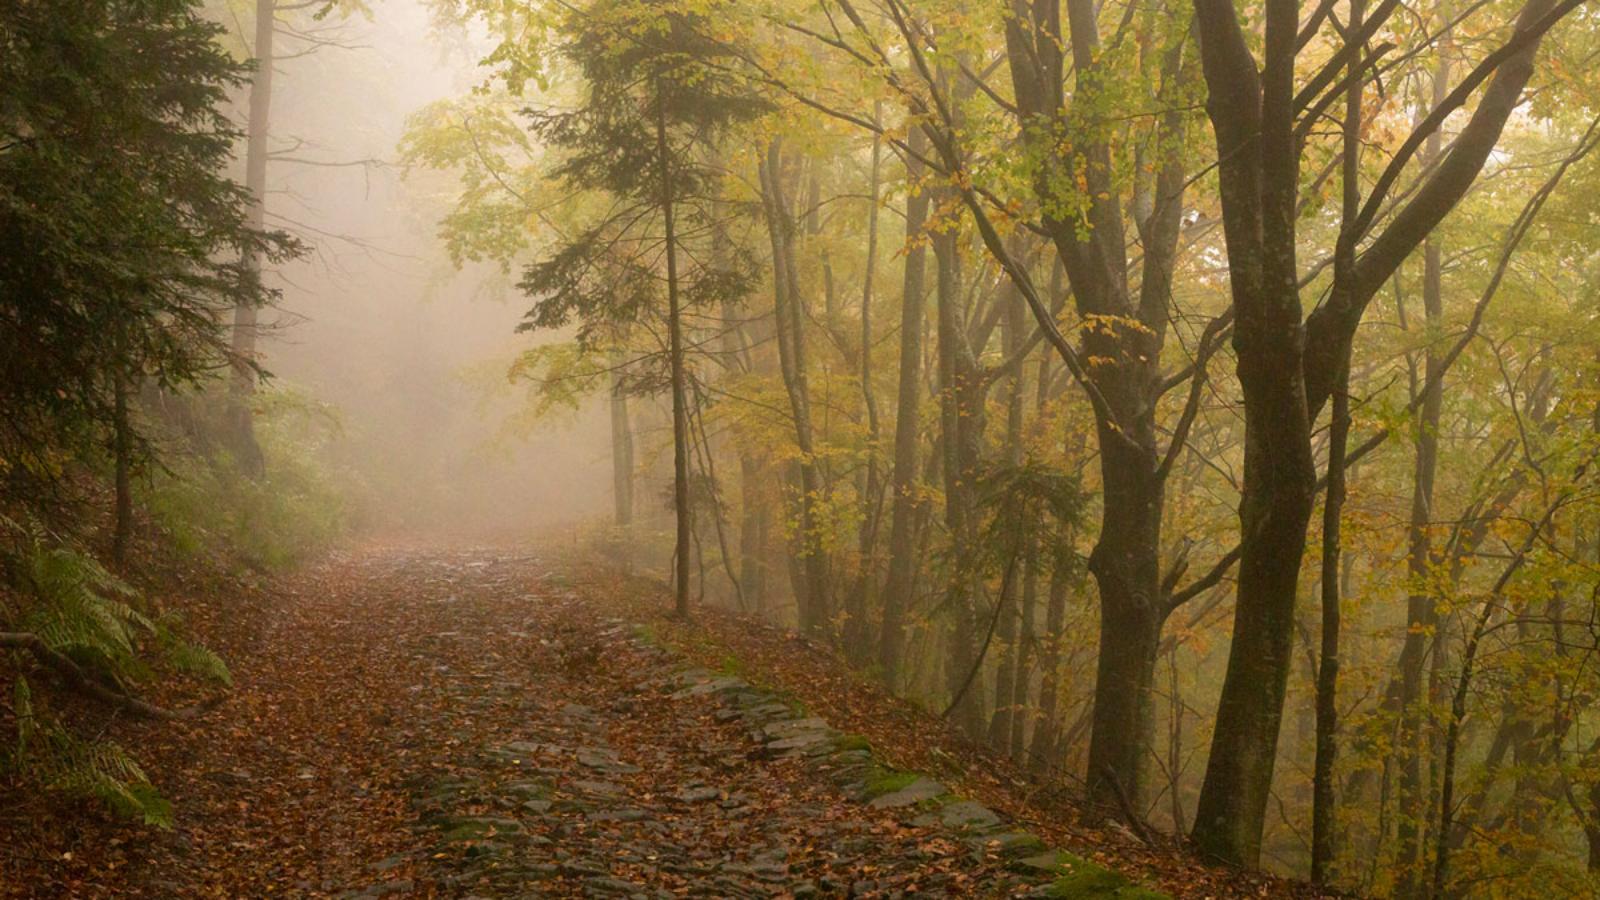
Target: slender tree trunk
(815,606)
(240,424)
(961,418)
(621,454)
(752,534)
(1323,813)
(907,428)
(680,411)
(122,449)
(1421,614)
(1009,625)
(1323,802)
(1022,676)
(858,625)
(1044,750)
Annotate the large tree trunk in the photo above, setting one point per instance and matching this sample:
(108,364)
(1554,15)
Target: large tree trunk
(1287,366)
(1126,561)
(240,425)
(1254,118)
(1126,565)
(907,427)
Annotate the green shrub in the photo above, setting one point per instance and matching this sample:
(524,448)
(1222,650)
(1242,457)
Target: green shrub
(207,506)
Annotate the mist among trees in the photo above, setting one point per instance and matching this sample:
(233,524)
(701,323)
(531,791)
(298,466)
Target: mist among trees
(1173,425)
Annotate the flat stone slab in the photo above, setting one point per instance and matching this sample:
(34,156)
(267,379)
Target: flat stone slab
(966,814)
(605,761)
(910,795)
(792,727)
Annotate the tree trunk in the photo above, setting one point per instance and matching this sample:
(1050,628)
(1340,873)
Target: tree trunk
(815,606)
(1044,749)
(241,440)
(1323,812)
(122,450)
(621,453)
(1421,609)
(1323,817)
(1009,625)
(907,427)
(858,625)
(680,409)
(1253,118)
(752,534)
(961,425)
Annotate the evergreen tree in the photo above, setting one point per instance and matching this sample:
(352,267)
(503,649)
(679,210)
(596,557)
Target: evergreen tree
(658,98)
(122,228)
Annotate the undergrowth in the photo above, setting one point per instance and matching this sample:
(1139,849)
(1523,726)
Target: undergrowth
(208,507)
(95,621)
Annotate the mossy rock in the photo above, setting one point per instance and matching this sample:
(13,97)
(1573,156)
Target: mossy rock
(887,781)
(1084,880)
(852,742)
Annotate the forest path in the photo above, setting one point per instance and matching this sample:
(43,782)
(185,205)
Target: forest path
(427,722)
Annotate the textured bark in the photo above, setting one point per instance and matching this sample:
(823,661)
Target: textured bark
(1126,560)
(1287,366)
(1253,117)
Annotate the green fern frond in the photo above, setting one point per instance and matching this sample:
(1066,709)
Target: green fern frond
(197,660)
(57,760)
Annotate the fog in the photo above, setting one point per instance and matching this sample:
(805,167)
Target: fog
(378,322)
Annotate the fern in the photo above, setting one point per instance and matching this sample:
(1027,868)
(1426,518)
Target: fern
(194,659)
(83,611)
(55,759)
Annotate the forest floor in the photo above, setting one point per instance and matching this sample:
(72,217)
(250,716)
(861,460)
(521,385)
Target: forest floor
(418,721)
